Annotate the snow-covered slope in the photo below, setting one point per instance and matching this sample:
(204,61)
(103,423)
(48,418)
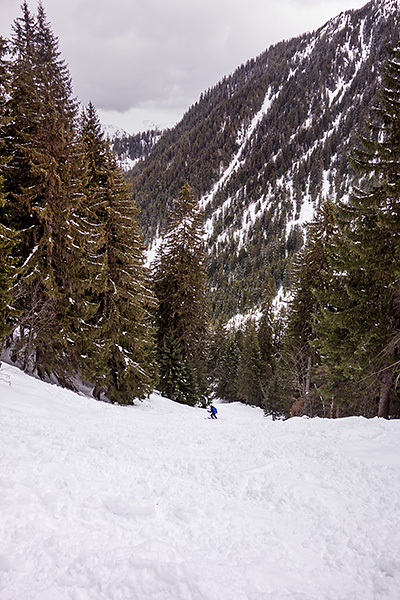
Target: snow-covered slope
(156,502)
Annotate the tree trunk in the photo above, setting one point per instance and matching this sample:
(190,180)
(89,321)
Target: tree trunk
(332,408)
(307,402)
(308,376)
(96,392)
(386,386)
(384,396)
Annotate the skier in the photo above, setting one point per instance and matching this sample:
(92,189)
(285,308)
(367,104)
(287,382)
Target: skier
(213,412)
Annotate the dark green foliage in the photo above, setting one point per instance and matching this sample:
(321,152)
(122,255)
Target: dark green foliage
(181,317)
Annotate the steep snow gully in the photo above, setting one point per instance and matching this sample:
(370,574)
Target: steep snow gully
(156,502)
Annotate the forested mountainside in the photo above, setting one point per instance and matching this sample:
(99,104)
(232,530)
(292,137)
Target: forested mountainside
(264,146)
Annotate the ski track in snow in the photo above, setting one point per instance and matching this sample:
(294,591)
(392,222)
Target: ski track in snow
(155,502)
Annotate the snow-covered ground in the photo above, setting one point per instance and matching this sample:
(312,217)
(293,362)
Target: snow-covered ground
(156,502)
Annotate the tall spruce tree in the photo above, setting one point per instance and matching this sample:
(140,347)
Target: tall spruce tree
(182,313)
(40,186)
(117,345)
(364,323)
(90,216)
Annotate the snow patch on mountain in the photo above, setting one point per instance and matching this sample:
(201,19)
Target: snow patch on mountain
(243,136)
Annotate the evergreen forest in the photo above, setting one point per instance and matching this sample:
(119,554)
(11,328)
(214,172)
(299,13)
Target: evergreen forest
(246,299)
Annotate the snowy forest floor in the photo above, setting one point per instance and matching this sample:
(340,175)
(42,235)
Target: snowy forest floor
(156,502)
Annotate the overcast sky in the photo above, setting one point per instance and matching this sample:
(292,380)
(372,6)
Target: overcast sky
(145,62)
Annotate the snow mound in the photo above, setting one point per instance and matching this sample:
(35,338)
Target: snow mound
(157,502)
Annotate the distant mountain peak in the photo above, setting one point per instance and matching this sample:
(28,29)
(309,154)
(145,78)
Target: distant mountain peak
(113,132)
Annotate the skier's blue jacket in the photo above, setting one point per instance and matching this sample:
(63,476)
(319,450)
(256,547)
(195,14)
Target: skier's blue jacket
(213,410)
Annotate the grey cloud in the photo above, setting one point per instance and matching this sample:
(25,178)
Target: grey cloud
(161,54)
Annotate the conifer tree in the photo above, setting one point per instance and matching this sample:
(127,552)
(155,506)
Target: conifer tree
(40,186)
(182,315)
(90,258)
(117,347)
(365,323)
